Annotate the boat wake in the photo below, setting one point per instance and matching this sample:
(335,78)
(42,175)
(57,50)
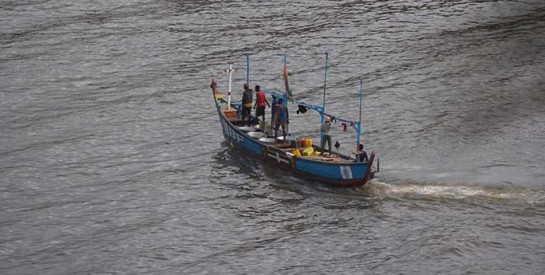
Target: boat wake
(456,192)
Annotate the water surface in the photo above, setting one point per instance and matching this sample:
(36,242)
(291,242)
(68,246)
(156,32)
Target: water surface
(112,158)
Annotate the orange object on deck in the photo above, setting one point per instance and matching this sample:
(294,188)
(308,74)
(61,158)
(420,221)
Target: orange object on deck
(307,142)
(230,113)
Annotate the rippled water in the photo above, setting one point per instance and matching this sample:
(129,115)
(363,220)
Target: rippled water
(112,158)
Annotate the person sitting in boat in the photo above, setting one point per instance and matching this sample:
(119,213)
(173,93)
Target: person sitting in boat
(247,104)
(361,155)
(260,102)
(326,137)
(281,119)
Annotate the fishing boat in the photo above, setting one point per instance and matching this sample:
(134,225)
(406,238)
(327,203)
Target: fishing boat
(298,155)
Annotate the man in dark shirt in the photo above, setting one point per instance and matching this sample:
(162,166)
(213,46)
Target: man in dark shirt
(247,97)
(361,155)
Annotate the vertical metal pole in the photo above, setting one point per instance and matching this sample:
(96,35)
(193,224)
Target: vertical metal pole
(229,92)
(359,122)
(323,99)
(325,81)
(287,92)
(248,69)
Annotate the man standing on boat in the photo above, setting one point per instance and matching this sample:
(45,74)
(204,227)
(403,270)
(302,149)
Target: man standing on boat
(281,119)
(326,136)
(273,110)
(260,102)
(247,96)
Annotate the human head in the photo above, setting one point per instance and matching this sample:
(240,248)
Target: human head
(257,88)
(246,86)
(280,101)
(327,119)
(361,147)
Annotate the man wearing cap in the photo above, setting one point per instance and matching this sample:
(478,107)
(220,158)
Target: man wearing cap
(247,104)
(326,137)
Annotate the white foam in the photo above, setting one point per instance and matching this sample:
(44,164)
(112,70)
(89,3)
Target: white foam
(461,191)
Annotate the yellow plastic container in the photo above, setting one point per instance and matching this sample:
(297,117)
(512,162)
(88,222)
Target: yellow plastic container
(297,153)
(308,151)
(307,142)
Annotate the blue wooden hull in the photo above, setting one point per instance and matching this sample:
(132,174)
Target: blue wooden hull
(343,173)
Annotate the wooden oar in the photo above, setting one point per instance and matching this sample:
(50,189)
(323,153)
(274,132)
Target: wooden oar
(285,76)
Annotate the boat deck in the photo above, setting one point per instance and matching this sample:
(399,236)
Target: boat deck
(290,147)
(334,157)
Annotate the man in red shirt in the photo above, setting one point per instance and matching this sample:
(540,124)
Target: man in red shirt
(260,102)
